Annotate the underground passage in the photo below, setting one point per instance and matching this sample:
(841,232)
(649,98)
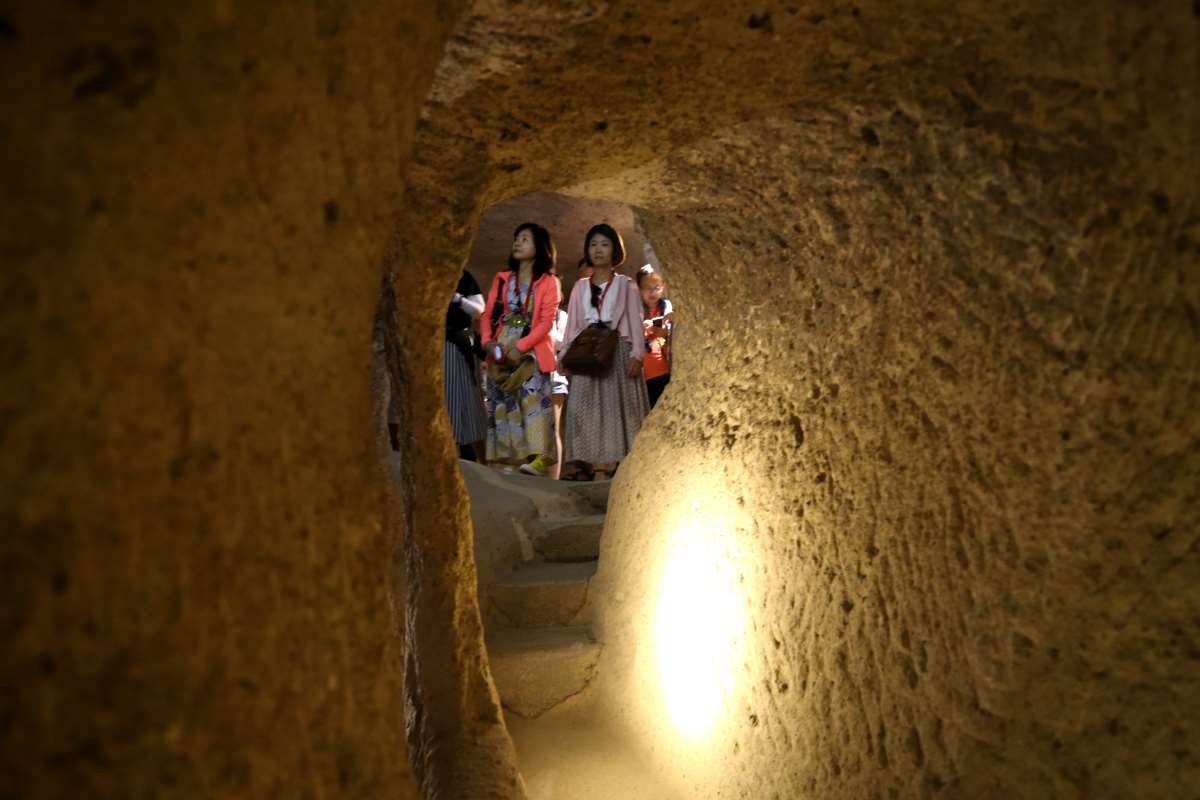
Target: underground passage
(915,517)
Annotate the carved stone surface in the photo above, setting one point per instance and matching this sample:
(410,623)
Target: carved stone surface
(933,404)
(536,669)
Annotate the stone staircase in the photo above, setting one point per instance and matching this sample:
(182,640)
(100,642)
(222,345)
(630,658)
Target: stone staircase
(540,642)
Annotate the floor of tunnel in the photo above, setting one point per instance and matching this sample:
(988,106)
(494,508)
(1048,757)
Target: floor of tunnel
(569,753)
(541,646)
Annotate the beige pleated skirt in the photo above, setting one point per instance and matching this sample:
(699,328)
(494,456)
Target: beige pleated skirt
(604,413)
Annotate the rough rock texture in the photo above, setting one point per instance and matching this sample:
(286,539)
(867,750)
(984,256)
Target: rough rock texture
(536,670)
(514,520)
(197,203)
(573,540)
(936,266)
(544,593)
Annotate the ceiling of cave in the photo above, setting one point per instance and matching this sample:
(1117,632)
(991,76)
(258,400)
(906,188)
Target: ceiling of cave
(625,101)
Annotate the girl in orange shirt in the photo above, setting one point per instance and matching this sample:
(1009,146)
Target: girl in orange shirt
(657,316)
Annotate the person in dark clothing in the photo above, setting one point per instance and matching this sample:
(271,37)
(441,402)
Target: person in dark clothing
(460,370)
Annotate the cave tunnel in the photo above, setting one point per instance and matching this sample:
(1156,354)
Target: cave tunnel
(931,429)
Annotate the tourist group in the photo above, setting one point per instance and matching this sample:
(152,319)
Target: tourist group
(554,391)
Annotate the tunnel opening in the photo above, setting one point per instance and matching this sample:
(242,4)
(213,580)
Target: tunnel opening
(539,548)
(531,566)
(945,254)
(536,543)
(904,313)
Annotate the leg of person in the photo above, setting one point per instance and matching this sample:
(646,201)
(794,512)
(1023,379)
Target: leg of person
(459,391)
(655,386)
(559,401)
(464,406)
(538,419)
(499,432)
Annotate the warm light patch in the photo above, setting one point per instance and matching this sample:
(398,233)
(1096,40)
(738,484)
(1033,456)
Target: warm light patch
(698,625)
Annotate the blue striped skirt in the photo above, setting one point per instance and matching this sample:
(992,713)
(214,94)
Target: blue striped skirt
(464,396)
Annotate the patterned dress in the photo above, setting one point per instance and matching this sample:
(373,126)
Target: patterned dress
(519,425)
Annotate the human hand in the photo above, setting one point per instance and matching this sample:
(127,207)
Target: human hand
(635,368)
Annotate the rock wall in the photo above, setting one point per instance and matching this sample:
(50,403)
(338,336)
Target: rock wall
(936,272)
(933,525)
(926,469)
(195,569)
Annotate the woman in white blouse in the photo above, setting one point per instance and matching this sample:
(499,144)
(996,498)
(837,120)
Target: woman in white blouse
(605,412)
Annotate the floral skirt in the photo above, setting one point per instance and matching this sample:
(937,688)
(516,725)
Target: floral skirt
(519,425)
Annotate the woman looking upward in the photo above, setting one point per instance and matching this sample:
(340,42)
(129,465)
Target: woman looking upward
(521,309)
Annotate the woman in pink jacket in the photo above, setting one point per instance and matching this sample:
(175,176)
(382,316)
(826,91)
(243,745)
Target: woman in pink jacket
(515,328)
(605,412)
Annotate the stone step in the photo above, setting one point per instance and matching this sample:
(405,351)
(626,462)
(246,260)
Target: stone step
(571,539)
(540,593)
(536,669)
(595,492)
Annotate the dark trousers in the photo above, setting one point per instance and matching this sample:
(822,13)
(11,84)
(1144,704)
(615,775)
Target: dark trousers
(655,386)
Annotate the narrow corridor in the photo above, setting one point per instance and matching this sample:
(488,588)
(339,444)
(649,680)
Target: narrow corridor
(542,648)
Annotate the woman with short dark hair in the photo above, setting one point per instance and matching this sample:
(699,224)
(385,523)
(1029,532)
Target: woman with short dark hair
(605,412)
(521,309)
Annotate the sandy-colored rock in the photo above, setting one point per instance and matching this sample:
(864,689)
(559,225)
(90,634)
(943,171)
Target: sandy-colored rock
(196,575)
(596,492)
(569,751)
(571,539)
(543,593)
(927,446)
(927,466)
(536,669)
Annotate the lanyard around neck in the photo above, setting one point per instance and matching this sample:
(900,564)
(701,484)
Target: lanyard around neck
(612,278)
(523,302)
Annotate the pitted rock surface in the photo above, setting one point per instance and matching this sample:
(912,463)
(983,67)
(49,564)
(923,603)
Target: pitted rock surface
(936,271)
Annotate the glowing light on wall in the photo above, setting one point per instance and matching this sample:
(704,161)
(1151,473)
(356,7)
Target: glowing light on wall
(698,626)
